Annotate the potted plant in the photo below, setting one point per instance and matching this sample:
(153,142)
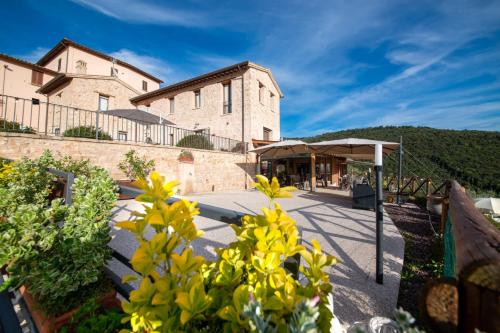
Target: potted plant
(134,168)
(186,156)
(56,253)
(246,290)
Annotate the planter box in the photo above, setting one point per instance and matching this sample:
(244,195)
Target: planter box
(185,160)
(128,183)
(46,324)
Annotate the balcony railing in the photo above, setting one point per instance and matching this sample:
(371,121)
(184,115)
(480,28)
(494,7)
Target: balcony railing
(36,117)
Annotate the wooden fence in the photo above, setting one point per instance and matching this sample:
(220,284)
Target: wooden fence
(468,296)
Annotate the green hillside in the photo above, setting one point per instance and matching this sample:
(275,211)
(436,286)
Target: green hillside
(470,157)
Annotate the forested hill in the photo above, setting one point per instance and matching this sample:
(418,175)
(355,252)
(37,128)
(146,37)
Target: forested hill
(471,157)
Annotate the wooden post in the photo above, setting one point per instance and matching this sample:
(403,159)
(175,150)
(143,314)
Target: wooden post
(313,172)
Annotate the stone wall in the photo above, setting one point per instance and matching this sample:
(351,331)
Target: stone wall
(210,171)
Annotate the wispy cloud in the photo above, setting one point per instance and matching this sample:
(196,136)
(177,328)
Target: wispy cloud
(34,55)
(149,64)
(136,11)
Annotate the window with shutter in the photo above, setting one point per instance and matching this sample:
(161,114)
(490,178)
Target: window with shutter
(36,78)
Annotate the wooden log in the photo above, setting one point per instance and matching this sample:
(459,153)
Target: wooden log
(477,246)
(439,305)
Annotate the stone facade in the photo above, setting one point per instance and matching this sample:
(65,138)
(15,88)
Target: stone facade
(260,101)
(83,92)
(210,171)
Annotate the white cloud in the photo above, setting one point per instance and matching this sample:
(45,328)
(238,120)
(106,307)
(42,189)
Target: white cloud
(149,64)
(136,11)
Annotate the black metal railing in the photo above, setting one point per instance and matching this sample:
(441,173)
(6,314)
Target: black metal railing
(33,116)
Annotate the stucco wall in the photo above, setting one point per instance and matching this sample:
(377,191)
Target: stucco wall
(99,66)
(18,81)
(211,170)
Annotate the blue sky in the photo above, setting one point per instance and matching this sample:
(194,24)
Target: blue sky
(340,64)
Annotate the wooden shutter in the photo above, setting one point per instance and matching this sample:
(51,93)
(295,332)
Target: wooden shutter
(36,78)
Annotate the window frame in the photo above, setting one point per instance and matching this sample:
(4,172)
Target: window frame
(36,77)
(261,92)
(267,133)
(59,64)
(197,98)
(104,97)
(171,109)
(144,85)
(227,108)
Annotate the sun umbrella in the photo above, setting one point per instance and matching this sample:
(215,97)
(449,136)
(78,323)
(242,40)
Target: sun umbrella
(352,147)
(489,204)
(283,148)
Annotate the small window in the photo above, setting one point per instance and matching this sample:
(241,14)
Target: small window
(36,78)
(103,103)
(172,105)
(227,98)
(268,134)
(261,92)
(59,64)
(171,135)
(271,101)
(197,99)
(114,71)
(144,86)
(122,136)
(35,101)
(81,67)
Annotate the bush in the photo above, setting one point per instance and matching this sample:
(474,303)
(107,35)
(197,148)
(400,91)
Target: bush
(59,252)
(86,132)
(135,167)
(179,291)
(12,126)
(198,141)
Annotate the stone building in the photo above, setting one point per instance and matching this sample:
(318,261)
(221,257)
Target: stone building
(241,102)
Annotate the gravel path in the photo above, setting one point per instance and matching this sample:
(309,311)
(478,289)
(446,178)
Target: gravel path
(344,232)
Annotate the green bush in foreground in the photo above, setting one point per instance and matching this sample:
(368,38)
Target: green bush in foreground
(57,251)
(86,132)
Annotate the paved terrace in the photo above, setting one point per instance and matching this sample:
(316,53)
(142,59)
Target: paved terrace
(326,216)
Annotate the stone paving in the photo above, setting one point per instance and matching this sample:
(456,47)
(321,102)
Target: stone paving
(326,216)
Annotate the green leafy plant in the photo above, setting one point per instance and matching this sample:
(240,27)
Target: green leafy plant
(135,167)
(15,127)
(59,252)
(89,132)
(198,141)
(179,291)
(91,318)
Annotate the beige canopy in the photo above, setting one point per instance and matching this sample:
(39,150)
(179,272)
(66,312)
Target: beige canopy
(283,148)
(353,148)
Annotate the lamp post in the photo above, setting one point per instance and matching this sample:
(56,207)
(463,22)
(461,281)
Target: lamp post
(379,209)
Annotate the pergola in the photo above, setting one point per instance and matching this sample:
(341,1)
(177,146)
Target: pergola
(357,149)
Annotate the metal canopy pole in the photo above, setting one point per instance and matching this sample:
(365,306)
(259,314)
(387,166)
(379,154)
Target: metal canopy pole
(379,215)
(400,170)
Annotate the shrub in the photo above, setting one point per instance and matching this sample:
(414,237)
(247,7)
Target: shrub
(198,141)
(12,126)
(86,132)
(179,291)
(59,252)
(135,167)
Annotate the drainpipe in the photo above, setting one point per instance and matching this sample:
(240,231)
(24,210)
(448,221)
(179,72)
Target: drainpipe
(67,58)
